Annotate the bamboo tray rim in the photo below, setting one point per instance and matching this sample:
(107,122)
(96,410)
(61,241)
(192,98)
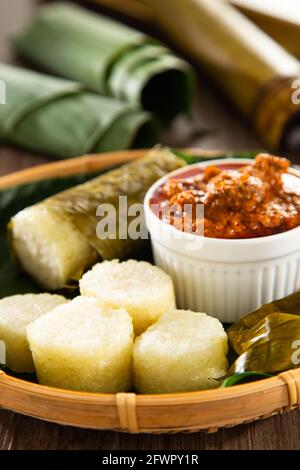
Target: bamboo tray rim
(128,406)
(143,399)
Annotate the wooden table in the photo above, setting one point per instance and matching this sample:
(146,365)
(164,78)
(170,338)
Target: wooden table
(227,131)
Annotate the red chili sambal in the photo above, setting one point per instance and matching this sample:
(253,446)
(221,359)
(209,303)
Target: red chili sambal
(256,200)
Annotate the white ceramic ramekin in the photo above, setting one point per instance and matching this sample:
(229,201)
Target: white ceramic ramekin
(224,278)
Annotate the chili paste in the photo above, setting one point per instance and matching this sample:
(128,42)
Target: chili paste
(256,200)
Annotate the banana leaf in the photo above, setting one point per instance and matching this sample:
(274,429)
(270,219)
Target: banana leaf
(58,117)
(268,339)
(109,58)
(246,377)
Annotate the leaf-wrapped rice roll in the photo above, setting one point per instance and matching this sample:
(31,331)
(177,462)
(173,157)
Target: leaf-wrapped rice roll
(55,241)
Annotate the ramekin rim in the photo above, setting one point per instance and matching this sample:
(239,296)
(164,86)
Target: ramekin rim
(210,240)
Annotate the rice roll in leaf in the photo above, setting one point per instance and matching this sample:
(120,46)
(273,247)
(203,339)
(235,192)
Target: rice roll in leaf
(56,241)
(58,117)
(268,339)
(109,58)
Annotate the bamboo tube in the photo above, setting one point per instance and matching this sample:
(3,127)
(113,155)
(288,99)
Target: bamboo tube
(277,19)
(249,66)
(256,73)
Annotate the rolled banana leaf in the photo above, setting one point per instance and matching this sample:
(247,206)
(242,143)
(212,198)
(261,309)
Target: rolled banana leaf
(56,240)
(58,117)
(108,58)
(268,339)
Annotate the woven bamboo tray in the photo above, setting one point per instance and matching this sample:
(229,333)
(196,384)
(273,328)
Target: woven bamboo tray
(128,412)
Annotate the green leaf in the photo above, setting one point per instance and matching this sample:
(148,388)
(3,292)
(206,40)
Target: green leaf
(190,159)
(245,377)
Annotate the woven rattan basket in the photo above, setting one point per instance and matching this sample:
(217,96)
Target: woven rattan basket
(128,412)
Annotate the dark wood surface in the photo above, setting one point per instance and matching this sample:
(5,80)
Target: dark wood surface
(227,131)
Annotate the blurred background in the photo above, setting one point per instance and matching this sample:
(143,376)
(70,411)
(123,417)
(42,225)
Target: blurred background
(242,56)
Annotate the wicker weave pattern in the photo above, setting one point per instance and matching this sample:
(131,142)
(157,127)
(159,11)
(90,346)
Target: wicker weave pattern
(126,404)
(292,380)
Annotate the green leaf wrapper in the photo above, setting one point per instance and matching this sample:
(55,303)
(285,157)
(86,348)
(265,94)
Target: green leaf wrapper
(59,118)
(268,339)
(237,379)
(109,58)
